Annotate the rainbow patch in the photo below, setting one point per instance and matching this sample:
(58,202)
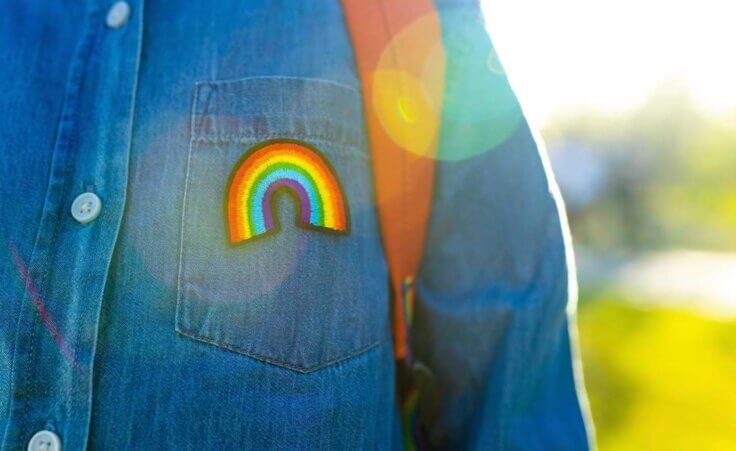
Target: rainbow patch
(283,164)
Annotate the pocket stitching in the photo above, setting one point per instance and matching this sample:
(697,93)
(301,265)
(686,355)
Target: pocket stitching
(278,77)
(179,291)
(194,334)
(355,143)
(191,333)
(239,138)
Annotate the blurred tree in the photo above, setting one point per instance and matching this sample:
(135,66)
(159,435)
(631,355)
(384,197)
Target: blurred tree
(668,179)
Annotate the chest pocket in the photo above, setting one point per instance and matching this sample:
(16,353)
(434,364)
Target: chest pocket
(299,297)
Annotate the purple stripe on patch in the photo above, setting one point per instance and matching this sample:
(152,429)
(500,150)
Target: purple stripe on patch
(306,208)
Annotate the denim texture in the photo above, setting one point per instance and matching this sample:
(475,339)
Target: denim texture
(233,295)
(147,329)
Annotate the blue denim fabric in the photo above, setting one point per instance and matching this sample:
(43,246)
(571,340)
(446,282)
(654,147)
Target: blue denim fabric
(234,296)
(146,329)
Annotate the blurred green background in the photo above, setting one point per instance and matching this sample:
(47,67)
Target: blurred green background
(651,194)
(657,378)
(637,106)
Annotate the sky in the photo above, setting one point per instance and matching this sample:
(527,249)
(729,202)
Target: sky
(563,55)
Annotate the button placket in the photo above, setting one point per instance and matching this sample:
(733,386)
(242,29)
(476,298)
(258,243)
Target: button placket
(86,207)
(44,441)
(53,360)
(118,15)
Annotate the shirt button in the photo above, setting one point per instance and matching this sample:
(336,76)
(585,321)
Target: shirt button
(44,441)
(86,207)
(118,15)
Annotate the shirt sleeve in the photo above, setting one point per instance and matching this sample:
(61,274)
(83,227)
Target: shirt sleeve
(495,302)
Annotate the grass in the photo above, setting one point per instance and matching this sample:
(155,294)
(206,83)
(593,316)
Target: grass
(658,379)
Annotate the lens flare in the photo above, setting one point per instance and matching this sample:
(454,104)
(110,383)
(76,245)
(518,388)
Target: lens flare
(450,98)
(408,86)
(407,107)
(405,110)
(480,110)
(494,63)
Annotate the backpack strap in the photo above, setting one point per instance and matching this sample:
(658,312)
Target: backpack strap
(400,60)
(401,64)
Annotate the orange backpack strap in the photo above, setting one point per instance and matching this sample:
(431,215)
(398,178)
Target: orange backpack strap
(400,60)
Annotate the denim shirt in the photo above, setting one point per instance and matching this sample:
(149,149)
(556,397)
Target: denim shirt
(145,328)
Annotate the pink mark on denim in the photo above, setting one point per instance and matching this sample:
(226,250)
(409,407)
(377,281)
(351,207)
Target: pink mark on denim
(38,302)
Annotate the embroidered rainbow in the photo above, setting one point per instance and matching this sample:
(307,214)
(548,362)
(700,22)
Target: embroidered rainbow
(282,164)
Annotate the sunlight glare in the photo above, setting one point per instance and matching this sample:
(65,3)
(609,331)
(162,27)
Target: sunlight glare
(610,55)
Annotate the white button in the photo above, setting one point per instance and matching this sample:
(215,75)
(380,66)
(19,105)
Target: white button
(118,15)
(86,207)
(44,441)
